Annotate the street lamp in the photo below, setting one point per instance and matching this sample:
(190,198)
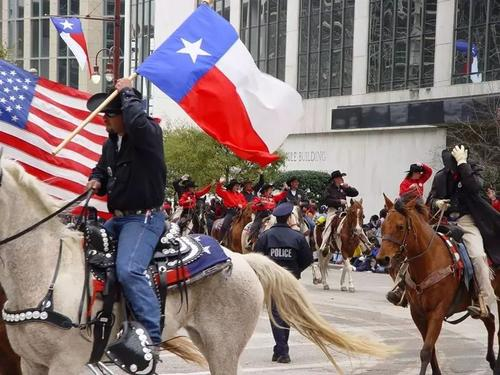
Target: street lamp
(108,73)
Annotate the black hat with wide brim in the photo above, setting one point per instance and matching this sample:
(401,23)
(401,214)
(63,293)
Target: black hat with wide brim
(336,174)
(114,106)
(232,183)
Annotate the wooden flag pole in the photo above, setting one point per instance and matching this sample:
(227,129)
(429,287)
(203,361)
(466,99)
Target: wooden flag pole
(89,118)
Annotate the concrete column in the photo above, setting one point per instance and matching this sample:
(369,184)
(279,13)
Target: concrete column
(126,52)
(360,47)
(292,42)
(443,57)
(27,35)
(235,14)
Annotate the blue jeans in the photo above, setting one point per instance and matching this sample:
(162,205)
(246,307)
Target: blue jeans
(137,240)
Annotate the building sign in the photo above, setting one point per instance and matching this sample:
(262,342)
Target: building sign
(308,156)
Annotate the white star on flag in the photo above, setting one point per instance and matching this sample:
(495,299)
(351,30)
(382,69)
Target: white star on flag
(206,249)
(67,25)
(193,49)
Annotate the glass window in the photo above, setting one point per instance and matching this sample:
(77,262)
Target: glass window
(220,6)
(326,30)
(477,41)
(401,47)
(263,31)
(40,37)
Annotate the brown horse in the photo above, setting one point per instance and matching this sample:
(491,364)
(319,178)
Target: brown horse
(433,289)
(10,364)
(347,234)
(233,238)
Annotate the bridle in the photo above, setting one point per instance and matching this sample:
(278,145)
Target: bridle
(403,244)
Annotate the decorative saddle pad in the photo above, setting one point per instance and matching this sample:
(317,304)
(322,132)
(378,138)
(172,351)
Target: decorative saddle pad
(189,258)
(460,257)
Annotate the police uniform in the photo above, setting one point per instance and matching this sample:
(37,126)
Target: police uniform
(290,250)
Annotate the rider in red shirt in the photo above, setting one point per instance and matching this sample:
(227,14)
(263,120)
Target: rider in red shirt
(415,180)
(189,197)
(233,201)
(263,206)
(495,202)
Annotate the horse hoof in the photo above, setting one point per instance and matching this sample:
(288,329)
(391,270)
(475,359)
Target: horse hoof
(326,287)
(343,289)
(316,281)
(351,289)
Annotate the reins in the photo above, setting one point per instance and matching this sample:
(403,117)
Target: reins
(87,194)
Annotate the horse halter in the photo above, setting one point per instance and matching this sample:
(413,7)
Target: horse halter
(401,243)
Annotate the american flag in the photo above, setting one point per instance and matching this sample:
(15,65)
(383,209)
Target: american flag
(35,116)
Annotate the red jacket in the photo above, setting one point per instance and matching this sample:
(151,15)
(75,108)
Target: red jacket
(264,203)
(496,204)
(230,199)
(406,185)
(188,200)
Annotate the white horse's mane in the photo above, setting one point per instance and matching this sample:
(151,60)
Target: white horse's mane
(34,186)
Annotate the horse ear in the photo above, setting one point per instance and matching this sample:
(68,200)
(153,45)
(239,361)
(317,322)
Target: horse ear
(361,201)
(352,201)
(388,202)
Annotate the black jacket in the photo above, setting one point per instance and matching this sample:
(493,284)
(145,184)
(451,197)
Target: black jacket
(333,195)
(249,196)
(465,193)
(299,196)
(134,177)
(286,247)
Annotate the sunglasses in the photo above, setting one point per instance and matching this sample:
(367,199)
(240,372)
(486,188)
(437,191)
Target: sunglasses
(112,114)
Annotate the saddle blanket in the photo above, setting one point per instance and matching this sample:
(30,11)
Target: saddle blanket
(204,257)
(461,259)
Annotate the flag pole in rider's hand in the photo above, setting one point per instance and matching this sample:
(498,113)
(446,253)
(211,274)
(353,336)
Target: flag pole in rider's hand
(89,118)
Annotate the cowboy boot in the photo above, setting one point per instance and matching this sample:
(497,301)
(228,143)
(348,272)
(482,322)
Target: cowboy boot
(479,310)
(397,296)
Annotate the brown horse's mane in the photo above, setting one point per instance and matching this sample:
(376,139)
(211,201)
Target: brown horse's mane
(407,203)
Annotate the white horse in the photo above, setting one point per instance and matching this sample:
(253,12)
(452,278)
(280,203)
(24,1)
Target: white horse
(221,315)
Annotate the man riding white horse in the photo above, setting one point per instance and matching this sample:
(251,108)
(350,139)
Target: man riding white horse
(335,198)
(132,172)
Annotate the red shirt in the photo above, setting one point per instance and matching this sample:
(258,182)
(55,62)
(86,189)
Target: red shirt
(230,199)
(496,204)
(264,203)
(406,185)
(188,200)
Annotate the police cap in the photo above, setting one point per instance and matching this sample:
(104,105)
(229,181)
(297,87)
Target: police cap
(283,209)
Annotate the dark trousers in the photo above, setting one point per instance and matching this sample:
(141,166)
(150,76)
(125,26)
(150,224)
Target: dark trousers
(257,223)
(228,220)
(280,334)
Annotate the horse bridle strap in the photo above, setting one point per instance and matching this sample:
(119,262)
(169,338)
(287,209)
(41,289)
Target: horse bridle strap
(430,280)
(45,219)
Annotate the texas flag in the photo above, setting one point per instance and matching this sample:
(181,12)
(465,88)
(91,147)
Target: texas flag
(70,30)
(462,46)
(208,71)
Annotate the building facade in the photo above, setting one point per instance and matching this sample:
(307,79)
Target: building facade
(33,43)
(379,78)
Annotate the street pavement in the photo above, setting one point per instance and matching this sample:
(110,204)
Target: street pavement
(461,349)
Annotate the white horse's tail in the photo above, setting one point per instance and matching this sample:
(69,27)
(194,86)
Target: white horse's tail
(281,287)
(185,349)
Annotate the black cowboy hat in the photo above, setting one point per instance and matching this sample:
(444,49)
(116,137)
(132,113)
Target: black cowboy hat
(449,162)
(232,183)
(336,174)
(265,187)
(115,106)
(415,168)
(189,184)
(291,179)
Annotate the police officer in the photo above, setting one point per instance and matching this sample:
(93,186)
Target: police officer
(132,172)
(289,249)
